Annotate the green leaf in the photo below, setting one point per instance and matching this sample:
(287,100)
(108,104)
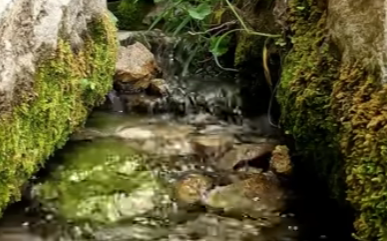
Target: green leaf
(181,25)
(219,45)
(164,14)
(200,12)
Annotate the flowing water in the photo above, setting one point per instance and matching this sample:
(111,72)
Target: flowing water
(184,166)
(99,188)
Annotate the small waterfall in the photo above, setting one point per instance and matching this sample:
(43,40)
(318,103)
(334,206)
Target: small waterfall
(115,101)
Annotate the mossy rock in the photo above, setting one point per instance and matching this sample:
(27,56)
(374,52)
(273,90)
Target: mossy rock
(67,85)
(309,72)
(337,113)
(99,182)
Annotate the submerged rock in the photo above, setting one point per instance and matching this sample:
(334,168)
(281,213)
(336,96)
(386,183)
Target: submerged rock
(161,139)
(246,154)
(100,182)
(135,232)
(259,197)
(160,180)
(216,228)
(205,227)
(212,146)
(191,188)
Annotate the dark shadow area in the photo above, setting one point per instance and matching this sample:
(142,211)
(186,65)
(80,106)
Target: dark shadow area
(322,217)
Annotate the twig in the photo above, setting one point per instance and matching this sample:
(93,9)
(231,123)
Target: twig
(212,29)
(220,66)
(265,59)
(272,99)
(249,31)
(236,14)
(205,60)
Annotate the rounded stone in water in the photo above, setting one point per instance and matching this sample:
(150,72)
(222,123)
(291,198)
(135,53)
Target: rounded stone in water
(258,197)
(191,187)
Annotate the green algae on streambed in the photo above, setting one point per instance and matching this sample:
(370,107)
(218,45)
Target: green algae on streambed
(95,181)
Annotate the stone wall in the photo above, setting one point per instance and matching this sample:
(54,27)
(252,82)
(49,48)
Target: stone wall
(57,59)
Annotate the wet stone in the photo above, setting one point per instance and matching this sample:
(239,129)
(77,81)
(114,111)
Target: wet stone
(100,182)
(190,188)
(259,197)
(158,87)
(244,154)
(280,161)
(212,146)
(135,65)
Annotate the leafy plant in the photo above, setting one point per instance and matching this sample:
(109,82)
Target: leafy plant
(219,44)
(195,18)
(200,12)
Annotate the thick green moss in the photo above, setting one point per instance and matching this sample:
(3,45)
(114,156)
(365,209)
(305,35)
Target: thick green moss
(306,85)
(359,99)
(66,86)
(337,113)
(248,47)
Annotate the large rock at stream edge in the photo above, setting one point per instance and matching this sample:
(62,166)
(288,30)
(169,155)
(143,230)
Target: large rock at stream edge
(332,95)
(30,30)
(57,59)
(135,66)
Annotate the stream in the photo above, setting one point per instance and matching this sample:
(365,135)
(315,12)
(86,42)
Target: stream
(183,166)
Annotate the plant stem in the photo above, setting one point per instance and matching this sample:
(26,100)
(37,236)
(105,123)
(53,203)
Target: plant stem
(249,31)
(212,29)
(237,15)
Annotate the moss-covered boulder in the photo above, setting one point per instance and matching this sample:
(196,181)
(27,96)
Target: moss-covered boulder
(332,95)
(57,59)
